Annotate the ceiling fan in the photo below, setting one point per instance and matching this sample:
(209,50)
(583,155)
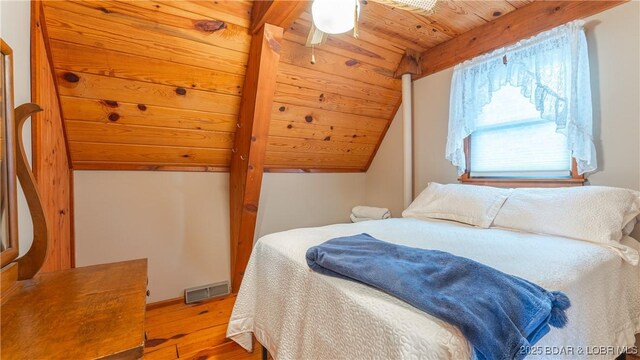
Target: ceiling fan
(340,16)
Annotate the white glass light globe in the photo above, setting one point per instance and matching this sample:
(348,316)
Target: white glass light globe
(334,16)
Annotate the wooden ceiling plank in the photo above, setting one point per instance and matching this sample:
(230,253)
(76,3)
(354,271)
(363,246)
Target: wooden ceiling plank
(525,22)
(113,89)
(205,31)
(334,102)
(326,62)
(101,111)
(100,33)
(346,45)
(455,16)
(115,133)
(311,170)
(302,114)
(132,166)
(157,155)
(415,31)
(311,79)
(489,10)
(322,132)
(309,160)
(330,146)
(247,162)
(81,58)
(236,12)
(281,13)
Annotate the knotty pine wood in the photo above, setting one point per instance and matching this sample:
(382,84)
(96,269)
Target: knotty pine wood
(50,161)
(147,154)
(328,82)
(528,21)
(87,131)
(236,12)
(248,160)
(103,33)
(102,111)
(281,13)
(150,84)
(343,66)
(81,58)
(83,313)
(313,116)
(204,31)
(195,331)
(310,131)
(141,52)
(110,88)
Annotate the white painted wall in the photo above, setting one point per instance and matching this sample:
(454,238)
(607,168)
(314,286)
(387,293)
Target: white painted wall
(15,17)
(290,201)
(179,221)
(614,53)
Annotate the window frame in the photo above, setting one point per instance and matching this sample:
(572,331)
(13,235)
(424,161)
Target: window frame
(466,178)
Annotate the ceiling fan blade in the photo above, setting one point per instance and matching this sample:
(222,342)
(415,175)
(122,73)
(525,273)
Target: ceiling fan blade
(316,36)
(422,7)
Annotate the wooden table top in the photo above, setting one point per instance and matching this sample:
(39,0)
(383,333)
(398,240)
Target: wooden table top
(83,313)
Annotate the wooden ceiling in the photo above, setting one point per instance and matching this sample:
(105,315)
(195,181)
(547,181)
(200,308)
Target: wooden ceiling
(157,84)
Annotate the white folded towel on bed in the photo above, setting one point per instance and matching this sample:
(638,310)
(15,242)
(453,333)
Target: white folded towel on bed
(356,219)
(363,213)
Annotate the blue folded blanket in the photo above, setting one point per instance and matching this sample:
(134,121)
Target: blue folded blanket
(499,314)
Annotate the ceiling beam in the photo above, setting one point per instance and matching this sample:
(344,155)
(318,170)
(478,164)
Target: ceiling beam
(281,13)
(247,160)
(409,64)
(519,24)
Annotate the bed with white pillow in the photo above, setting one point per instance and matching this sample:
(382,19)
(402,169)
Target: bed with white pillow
(571,240)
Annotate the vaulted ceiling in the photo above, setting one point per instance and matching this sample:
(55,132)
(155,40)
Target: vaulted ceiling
(157,84)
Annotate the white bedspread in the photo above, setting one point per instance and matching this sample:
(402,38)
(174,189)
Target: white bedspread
(299,314)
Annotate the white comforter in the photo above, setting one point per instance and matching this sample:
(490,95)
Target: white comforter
(299,314)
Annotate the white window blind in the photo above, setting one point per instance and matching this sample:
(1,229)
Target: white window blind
(511,140)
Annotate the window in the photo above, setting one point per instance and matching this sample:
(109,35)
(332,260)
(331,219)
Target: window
(512,141)
(523,113)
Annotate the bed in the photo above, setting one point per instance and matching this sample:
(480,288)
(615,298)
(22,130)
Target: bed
(298,314)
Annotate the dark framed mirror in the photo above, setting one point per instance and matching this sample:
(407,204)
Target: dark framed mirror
(8,180)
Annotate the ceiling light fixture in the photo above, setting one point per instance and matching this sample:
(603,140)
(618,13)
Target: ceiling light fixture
(335,16)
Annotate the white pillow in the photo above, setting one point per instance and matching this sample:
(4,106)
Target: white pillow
(469,204)
(593,213)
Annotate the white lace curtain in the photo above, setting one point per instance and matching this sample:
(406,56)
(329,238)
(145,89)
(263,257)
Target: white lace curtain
(550,69)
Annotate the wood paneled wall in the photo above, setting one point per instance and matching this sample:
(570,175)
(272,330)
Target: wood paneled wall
(50,164)
(146,84)
(157,84)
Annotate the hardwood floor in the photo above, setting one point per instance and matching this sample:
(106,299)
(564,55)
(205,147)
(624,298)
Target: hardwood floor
(179,331)
(197,331)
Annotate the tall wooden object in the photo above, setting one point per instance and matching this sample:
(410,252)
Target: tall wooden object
(32,261)
(247,162)
(51,161)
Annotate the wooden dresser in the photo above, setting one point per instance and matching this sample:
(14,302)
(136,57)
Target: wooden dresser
(91,312)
